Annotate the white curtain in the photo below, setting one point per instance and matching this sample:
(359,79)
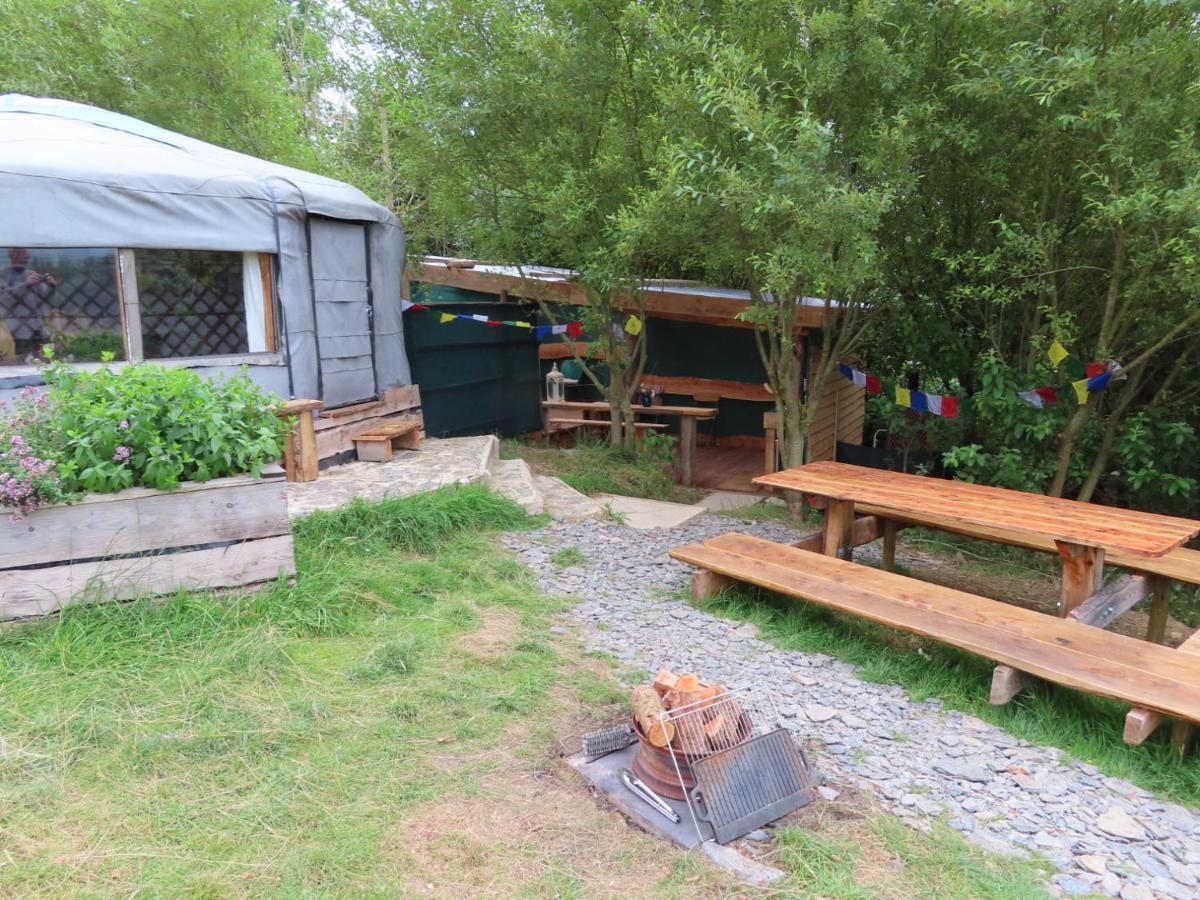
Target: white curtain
(252,295)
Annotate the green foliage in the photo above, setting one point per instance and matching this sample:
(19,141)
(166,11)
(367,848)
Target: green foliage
(568,557)
(157,60)
(150,426)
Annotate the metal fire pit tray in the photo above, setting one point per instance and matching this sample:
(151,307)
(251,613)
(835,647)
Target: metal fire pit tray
(751,784)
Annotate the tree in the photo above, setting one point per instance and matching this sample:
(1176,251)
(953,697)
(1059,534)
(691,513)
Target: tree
(754,186)
(520,130)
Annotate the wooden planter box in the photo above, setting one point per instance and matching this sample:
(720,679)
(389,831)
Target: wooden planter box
(138,542)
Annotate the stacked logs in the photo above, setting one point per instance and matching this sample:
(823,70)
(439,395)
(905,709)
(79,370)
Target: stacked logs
(687,714)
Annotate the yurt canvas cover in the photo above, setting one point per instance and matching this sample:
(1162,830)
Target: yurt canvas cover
(79,183)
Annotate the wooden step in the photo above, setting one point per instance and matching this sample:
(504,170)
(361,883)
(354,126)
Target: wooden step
(376,443)
(1066,652)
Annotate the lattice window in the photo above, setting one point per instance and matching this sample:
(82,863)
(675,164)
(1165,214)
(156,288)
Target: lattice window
(192,303)
(65,297)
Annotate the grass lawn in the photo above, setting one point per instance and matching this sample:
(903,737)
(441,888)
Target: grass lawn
(593,467)
(385,726)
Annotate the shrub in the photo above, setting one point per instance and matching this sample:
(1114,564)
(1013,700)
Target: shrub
(28,479)
(149,426)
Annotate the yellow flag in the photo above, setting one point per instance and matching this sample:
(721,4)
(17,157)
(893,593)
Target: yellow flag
(1057,353)
(633,325)
(447,317)
(522,324)
(1081,390)
(903,397)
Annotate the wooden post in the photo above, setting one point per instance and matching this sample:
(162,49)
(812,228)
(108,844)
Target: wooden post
(1156,631)
(1007,682)
(300,452)
(687,448)
(771,463)
(705,584)
(839,519)
(889,544)
(1083,573)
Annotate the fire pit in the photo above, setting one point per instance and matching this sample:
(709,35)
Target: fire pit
(655,767)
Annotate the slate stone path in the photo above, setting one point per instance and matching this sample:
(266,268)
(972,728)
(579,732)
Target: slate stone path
(1103,835)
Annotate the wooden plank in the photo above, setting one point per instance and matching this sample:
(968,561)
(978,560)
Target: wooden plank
(33,592)
(371,406)
(864,530)
(1083,573)
(700,412)
(1156,628)
(393,400)
(1111,602)
(890,527)
(1180,564)
(1068,521)
(139,519)
(687,449)
(266,272)
(721,388)
(549,350)
(131,312)
(1069,653)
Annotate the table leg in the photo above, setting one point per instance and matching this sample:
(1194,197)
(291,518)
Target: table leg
(770,464)
(1083,574)
(1157,628)
(889,545)
(310,463)
(839,519)
(687,448)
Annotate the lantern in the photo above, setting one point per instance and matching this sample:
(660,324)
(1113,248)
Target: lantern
(554,385)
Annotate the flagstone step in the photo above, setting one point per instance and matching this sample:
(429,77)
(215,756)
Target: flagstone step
(564,502)
(512,478)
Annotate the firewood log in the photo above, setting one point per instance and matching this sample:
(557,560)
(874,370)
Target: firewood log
(648,710)
(665,681)
(721,731)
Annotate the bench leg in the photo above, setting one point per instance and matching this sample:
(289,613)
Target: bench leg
(1183,735)
(410,441)
(1007,682)
(839,519)
(1140,724)
(374,451)
(310,464)
(705,584)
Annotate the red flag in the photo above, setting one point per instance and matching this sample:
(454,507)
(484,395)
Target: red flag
(950,407)
(418,306)
(874,385)
(1094,369)
(1048,394)
(492,323)
(574,329)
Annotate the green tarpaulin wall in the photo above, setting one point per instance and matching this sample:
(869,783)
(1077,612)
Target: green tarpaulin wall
(475,379)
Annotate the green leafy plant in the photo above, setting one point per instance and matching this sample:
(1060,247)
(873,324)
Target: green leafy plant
(150,426)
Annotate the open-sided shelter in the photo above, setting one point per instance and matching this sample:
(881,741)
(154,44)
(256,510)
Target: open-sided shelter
(120,237)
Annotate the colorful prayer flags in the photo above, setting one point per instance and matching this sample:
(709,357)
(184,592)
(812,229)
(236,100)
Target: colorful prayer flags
(1057,353)
(633,325)
(447,317)
(1081,389)
(903,397)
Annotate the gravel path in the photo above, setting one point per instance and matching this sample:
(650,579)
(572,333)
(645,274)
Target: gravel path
(1104,835)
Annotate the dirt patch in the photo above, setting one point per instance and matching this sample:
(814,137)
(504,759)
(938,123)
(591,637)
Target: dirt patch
(495,637)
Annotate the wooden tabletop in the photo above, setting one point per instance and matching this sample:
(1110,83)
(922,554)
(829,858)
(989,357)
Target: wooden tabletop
(1069,521)
(699,412)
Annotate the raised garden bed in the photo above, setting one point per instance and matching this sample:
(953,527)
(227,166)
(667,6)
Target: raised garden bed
(223,533)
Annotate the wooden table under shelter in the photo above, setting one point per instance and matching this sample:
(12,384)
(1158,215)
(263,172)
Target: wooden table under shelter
(563,414)
(1072,648)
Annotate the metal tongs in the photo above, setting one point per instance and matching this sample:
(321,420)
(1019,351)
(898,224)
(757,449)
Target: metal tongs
(639,787)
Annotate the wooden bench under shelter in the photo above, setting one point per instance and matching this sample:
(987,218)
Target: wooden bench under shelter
(375,444)
(1065,651)
(1084,535)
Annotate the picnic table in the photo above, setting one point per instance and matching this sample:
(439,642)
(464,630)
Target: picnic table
(1081,532)
(1071,648)
(688,417)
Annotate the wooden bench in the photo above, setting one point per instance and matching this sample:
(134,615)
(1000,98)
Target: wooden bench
(375,444)
(1158,679)
(556,424)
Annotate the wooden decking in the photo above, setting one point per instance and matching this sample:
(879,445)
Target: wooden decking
(729,467)
(1067,652)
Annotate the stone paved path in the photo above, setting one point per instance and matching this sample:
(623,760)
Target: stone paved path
(1104,835)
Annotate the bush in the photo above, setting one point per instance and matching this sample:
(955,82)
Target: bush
(137,426)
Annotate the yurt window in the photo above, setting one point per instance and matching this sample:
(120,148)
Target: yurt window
(200,303)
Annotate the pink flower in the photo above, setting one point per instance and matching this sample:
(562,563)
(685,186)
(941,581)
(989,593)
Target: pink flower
(123,425)
(121,454)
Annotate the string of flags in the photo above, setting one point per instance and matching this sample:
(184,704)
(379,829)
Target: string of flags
(1085,379)
(541,332)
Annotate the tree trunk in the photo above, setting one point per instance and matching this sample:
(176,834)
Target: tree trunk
(1066,447)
